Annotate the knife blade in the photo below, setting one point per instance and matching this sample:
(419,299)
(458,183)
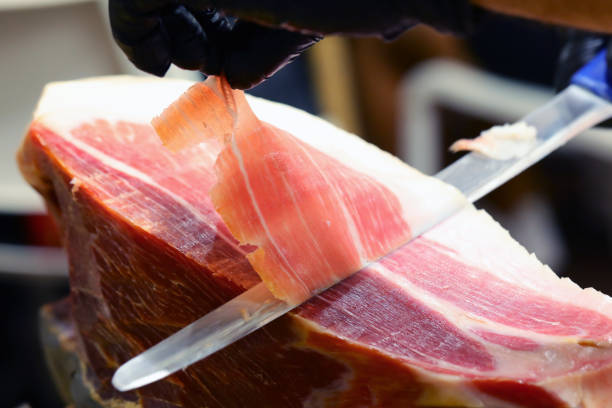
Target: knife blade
(574,110)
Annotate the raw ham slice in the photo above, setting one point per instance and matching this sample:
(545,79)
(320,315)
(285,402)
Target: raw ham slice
(313,219)
(461,317)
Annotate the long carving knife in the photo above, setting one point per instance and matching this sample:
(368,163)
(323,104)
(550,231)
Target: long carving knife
(582,105)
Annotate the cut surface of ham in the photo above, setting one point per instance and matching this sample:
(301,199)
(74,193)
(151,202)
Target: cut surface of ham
(462,316)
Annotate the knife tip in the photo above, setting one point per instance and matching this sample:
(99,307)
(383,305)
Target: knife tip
(127,378)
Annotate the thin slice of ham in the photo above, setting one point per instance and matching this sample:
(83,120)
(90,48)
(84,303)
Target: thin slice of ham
(313,219)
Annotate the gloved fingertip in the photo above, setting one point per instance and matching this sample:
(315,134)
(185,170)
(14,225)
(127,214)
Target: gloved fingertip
(157,69)
(150,54)
(136,28)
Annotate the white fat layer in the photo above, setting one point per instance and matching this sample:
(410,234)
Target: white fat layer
(501,142)
(135,99)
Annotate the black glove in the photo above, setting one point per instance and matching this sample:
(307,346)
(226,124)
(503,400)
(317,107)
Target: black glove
(578,49)
(193,35)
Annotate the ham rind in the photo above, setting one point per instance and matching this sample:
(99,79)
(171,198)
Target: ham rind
(313,219)
(463,316)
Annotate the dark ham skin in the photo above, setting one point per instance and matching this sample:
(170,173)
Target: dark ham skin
(148,255)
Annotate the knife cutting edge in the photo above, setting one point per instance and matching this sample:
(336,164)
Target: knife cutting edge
(579,107)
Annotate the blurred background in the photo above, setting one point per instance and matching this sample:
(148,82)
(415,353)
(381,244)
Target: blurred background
(411,97)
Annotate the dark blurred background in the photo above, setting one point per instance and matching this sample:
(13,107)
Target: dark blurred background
(412,97)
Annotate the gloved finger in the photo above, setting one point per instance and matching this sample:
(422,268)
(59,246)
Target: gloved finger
(141,36)
(217,28)
(189,44)
(253,53)
(578,49)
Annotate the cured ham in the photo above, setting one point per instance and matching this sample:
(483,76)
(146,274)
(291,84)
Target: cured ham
(462,316)
(313,219)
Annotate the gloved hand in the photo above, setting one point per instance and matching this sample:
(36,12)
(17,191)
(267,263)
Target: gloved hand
(193,35)
(578,49)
